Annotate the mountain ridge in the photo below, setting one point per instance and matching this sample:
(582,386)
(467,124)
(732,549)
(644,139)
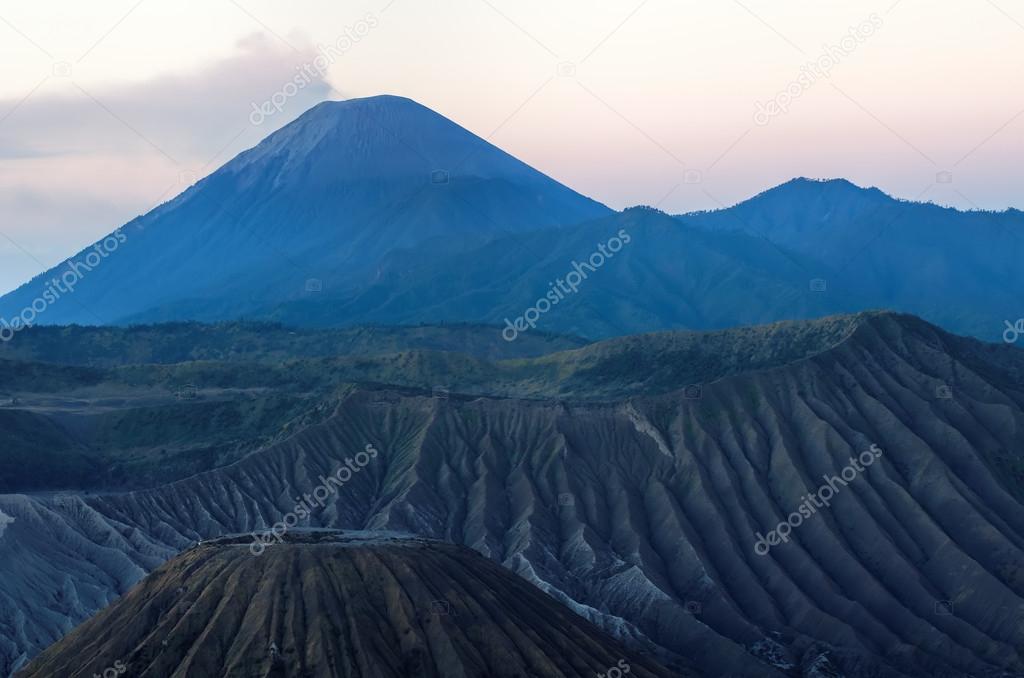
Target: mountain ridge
(380,211)
(641,514)
(841,186)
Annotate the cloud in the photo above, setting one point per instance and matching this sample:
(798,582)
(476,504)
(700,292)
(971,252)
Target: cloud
(77,160)
(183,115)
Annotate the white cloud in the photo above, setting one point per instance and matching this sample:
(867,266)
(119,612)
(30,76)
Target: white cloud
(77,161)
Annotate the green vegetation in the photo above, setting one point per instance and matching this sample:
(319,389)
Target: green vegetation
(133,426)
(262,342)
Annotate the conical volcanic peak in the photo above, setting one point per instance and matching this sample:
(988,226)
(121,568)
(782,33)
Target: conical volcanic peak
(383,136)
(325,603)
(313,210)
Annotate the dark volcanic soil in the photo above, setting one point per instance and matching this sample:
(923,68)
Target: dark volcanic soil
(327,603)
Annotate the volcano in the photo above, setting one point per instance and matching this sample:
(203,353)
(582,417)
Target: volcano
(311,209)
(346,604)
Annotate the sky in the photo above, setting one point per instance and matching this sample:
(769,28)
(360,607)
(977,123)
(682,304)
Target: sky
(109,108)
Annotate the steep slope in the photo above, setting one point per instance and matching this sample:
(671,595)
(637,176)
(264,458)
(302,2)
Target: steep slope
(324,199)
(957,269)
(643,515)
(137,426)
(666,275)
(801,250)
(117,439)
(344,605)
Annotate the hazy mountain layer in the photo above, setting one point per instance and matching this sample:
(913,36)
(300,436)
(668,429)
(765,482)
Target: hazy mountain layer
(314,207)
(802,250)
(380,211)
(642,515)
(667,276)
(958,269)
(350,605)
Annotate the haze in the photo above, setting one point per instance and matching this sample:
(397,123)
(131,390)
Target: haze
(109,108)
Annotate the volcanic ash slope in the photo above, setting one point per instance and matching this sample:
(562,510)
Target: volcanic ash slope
(325,603)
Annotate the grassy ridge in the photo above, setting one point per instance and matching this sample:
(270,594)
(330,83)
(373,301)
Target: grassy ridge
(263,342)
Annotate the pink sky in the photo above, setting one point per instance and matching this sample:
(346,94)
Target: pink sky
(107,109)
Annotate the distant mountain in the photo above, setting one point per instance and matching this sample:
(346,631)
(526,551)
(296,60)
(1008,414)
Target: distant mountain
(666,275)
(958,269)
(802,250)
(313,207)
(329,604)
(380,211)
